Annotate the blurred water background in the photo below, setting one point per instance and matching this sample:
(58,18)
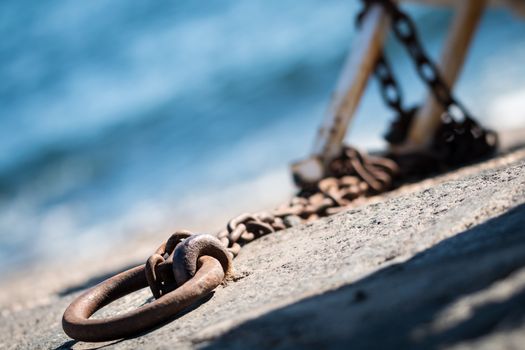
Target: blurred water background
(120,118)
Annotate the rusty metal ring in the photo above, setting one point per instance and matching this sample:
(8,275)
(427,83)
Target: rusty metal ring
(187,253)
(76,322)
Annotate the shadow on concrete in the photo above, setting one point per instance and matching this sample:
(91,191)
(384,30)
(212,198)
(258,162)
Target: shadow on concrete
(399,306)
(67,345)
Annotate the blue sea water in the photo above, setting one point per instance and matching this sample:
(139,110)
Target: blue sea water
(112,111)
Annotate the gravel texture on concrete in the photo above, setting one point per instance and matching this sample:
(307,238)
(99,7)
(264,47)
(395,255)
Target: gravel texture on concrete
(439,264)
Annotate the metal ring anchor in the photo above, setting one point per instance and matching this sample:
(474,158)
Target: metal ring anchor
(209,273)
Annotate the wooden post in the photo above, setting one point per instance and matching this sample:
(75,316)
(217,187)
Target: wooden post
(352,82)
(359,65)
(462,30)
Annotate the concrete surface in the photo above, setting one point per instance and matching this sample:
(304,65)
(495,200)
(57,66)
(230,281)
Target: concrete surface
(439,264)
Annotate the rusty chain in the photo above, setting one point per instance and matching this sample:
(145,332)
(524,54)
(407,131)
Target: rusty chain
(393,97)
(352,175)
(188,266)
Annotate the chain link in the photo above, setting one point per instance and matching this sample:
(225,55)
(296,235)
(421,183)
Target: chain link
(392,95)
(405,31)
